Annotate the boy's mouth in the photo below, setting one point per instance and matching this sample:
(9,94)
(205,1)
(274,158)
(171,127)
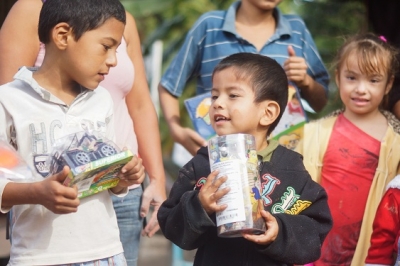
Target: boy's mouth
(102,75)
(218,118)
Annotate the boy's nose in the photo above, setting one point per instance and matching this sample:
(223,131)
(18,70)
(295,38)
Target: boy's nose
(112,59)
(217,103)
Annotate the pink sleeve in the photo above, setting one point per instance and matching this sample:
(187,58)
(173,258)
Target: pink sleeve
(40,56)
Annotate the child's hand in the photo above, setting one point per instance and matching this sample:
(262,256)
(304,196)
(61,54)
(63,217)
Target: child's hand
(209,193)
(56,197)
(132,173)
(269,235)
(296,68)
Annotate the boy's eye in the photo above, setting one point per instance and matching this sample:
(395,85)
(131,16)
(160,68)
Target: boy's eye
(106,47)
(233,95)
(350,77)
(214,97)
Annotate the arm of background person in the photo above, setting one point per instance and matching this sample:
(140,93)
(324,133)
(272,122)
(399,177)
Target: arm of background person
(187,137)
(19,41)
(314,93)
(144,116)
(184,67)
(314,83)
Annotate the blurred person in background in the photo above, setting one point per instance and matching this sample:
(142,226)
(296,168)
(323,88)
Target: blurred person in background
(247,26)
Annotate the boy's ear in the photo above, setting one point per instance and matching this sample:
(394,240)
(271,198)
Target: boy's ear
(271,112)
(60,35)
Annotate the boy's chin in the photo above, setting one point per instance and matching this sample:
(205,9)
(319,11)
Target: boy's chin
(92,86)
(226,132)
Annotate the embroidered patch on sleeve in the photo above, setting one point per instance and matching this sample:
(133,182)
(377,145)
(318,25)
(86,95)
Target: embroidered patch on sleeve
(290,203)
(200,183)
(298,207)
(267,187)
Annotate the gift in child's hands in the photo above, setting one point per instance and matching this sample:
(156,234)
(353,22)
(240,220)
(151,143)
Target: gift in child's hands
(95,162)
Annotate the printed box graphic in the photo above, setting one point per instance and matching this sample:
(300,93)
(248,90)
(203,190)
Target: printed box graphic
(289,130)
(94,162)
(99,175)
(198,108)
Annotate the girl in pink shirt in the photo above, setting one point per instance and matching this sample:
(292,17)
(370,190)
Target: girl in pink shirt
(350,152)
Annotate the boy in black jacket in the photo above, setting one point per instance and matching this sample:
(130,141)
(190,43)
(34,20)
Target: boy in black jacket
(249,95)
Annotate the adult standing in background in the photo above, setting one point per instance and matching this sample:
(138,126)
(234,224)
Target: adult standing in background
(247,26)
(135,116)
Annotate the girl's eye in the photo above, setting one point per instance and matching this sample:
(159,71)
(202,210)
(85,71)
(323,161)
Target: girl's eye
(350,77)
(213,98)
(233,96)
(106,47)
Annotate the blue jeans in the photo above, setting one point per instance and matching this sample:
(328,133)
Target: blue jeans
(117,260)
(130,223)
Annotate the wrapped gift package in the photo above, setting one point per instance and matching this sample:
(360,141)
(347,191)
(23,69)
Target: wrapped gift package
(235,156)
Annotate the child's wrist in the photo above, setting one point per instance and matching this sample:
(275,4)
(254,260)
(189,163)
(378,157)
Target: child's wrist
(34,192)
(307,82)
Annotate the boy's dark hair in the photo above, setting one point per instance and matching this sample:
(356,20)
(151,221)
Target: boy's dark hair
(267,78)
(81,15)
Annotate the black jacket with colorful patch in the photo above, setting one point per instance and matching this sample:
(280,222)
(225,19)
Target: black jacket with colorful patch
(298,204)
